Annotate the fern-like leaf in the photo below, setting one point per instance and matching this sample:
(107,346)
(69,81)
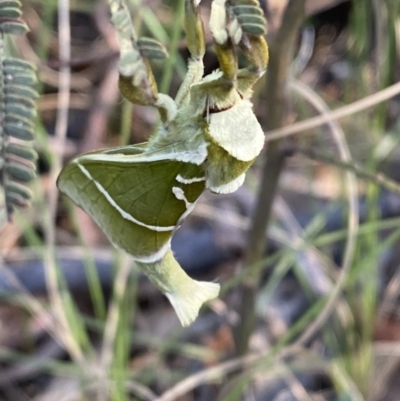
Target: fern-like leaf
(17,113)
(249,16)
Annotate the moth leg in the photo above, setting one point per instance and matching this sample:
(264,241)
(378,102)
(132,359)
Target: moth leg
(242,23)
(136,79)
(195,38)
(256,51)
(217,90)
(223,44)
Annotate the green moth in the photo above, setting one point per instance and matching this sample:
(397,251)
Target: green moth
(209,136)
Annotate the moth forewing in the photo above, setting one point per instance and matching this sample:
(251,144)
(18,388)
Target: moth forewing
(133,202)
(229,187)
(237,131)
(225,173)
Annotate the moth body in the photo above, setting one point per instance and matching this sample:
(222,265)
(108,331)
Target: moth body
(208,138)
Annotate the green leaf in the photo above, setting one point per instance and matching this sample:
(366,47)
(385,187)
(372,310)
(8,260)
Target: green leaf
(20,100)
(253,24)
(11,64)
(16,199)
(21,78)
(253,29)
(21,90)
(152,49)
(21,110)
(19,120)
(19,130)
(10,12)
(22,151)
(10,3)
(238,10)
(18,108)
(19,189)
(14,27)
(20,172)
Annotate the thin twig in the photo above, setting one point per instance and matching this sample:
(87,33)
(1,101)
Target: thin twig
(281,54)
(377,178)
(140,390)
(343,380)
(294,384)
(348,110)
(28,369)
(217,372)
(312,262)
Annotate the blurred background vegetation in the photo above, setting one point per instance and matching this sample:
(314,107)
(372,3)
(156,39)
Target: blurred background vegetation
(307,252)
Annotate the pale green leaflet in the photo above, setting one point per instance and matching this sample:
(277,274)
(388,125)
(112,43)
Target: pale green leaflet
(209,137)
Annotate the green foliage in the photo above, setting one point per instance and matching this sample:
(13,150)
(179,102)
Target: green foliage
(250,17)
(17,113)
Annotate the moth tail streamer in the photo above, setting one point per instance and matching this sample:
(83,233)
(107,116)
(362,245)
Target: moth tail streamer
(187,303)
(185,294)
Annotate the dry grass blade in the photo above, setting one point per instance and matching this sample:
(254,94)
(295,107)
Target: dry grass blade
(32,305)
(217,372)
(113,314)
(295,386)
(351,184)
(390,351)
(313,263)
(331,116)
(60,134)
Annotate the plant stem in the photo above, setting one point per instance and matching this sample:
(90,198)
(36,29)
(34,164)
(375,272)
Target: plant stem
(281,52)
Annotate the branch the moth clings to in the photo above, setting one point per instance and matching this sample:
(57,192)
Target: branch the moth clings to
(17,108)
(209,137)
